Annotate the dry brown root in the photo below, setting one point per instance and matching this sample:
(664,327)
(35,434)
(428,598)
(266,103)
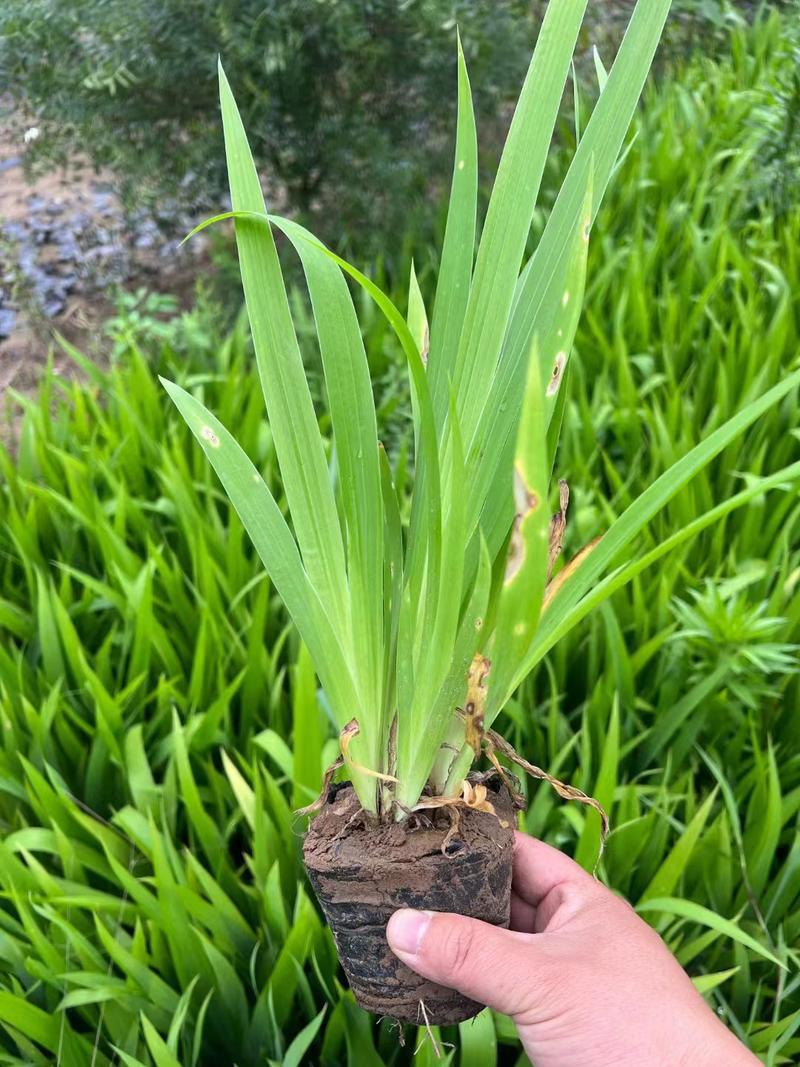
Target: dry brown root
(494,743)
(455,826)
(323,793)
(490,742)
(358,818)
(473,796)
(509,780)
(347,734)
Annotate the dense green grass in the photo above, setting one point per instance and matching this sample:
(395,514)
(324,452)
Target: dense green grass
(153,900)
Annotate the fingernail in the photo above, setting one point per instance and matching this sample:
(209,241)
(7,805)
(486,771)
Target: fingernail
(406,930)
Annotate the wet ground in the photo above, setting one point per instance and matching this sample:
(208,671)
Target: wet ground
(65,246)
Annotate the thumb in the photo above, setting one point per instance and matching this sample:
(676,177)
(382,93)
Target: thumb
(483,962)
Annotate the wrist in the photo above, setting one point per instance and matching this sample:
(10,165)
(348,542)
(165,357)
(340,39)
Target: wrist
(713,1044)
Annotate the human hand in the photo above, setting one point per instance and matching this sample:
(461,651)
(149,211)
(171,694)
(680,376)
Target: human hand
(586,981)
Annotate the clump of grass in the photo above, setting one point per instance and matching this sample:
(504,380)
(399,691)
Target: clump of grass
(394,617)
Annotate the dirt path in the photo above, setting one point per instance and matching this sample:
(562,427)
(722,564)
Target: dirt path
(65,245)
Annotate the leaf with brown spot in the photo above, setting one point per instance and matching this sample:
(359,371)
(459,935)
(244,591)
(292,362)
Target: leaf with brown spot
(563,575)
(520,596)
(475,705)
(524,502)
(558,524)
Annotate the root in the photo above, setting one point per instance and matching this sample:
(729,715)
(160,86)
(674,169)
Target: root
(455,826)
(323,793)
(437,1046)
(472,796)
(418,821)
(493,743)
(395,1024)
(358,815)
(509,780)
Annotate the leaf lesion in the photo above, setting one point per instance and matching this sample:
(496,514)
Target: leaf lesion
(557,374)
(558,526)
(475,704)
(526,501)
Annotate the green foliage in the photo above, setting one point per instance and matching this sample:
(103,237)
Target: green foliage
(392,624)
(348,103)
(140,640)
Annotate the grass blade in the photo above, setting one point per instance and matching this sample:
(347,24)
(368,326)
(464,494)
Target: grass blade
(521,594)
(597,152)
(355,434)
(635,517)
(556,326)
(687,909)
(298,442)
(274,543)
(423,724)
(458,250)
(511,209)
(603,590)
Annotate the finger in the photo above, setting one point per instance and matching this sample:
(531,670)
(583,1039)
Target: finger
(539,869)
(486,963)
(523,914)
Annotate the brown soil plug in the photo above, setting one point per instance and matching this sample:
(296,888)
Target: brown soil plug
(362,875)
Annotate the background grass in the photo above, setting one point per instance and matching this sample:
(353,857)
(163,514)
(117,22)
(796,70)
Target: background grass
(160,721)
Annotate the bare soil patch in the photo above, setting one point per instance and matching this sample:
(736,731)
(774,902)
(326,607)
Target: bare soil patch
(66,244)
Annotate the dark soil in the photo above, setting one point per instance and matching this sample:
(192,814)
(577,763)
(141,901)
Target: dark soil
(361,876)
(65,244)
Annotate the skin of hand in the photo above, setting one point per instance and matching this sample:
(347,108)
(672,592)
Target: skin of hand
(586,981)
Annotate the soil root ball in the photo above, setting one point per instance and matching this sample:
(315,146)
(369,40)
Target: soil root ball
(362,875)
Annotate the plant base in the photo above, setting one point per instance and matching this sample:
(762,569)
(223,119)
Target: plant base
(362,875)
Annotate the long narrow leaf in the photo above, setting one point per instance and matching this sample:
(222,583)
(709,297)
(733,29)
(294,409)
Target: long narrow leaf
(422,725)
(555,333)
(593,165)
(458,251)
(298,442)
(511,208)
(597,152)
(471,633)
(521,593)
(355,433)
(274,543)
(635,517)
(603,590)
(687,909)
